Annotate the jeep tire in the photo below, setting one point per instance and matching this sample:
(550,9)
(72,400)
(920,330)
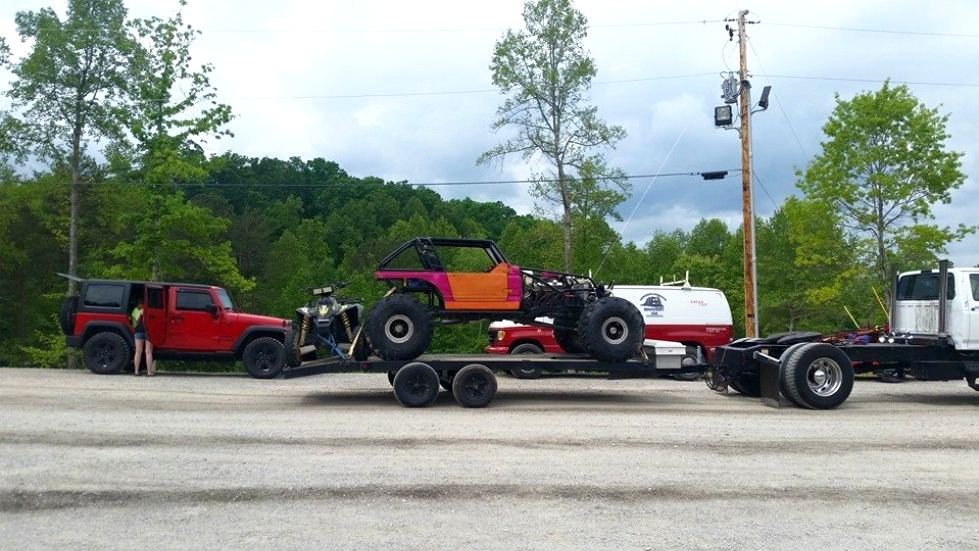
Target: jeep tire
(264,358)
(106,353)
(612,329)
(66,317)
(399,328)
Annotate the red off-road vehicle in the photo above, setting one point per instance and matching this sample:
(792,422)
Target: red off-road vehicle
(184,321)
(443,280)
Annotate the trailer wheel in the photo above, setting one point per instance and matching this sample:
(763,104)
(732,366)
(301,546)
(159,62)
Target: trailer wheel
(474,386)
(818,376)
(106,353)
(527,372)
(399,327)
(612,329)
(264,358)
(416,385)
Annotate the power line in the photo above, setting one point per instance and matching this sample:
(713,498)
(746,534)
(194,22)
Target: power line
(425,184)
(879,31)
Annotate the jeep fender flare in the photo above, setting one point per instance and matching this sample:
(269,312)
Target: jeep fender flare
(95,327)
(256,332)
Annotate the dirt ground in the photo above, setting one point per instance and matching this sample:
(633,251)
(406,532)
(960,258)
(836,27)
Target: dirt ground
(565,462)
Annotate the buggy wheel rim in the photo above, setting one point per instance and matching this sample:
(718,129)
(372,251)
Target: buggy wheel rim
(824,377)
(615,330)
(399,329)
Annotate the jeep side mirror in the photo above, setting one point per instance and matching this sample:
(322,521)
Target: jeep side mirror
(211,309)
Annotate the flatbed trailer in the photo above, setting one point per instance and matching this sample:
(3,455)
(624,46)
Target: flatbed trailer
(472,377)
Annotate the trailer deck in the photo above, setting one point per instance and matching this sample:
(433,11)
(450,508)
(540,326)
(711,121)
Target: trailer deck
(472,377)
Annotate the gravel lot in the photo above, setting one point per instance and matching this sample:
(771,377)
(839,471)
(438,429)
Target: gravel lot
(565,462)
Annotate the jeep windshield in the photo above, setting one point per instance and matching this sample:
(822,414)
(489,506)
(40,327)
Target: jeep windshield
(225,299)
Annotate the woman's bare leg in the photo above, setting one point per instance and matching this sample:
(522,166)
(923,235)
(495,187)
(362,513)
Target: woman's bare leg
(139,354)
(150,364)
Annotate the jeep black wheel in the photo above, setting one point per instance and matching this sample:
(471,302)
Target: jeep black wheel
(106,353)
(66,317)
(612,329)
(399,328)
(567,336)
(264,358)
(416,385)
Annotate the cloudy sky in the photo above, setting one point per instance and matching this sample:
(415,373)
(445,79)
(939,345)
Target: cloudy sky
(402,90)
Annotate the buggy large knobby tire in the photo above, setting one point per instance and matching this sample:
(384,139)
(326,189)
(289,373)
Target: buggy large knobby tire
(106,353)
(527,372)
(66,317)
(399,328)
(416,385)
(568,338)
(818,376)
(264,358)
(612,329)
(474,386)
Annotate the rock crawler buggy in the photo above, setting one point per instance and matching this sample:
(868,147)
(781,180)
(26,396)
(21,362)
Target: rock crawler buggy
(445,280)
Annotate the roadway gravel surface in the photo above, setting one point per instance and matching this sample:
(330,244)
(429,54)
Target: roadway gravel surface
(566,462)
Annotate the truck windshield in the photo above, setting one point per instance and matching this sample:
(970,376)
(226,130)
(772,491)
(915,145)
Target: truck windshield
(225,299)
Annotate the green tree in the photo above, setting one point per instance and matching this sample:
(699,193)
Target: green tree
(67,89)
(171,110)
(882,168)
(546,72)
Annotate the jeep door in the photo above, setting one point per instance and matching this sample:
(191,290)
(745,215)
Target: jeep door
(195,320)
(155,314)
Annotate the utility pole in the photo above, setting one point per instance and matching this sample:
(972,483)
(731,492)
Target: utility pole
(738,89)
(747,199)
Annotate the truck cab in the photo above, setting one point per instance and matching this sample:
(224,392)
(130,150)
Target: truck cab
(916,307)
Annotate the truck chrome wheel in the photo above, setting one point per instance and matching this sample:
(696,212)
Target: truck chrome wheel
(825,377)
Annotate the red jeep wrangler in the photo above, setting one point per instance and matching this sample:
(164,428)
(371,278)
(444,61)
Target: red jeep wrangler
(184,321)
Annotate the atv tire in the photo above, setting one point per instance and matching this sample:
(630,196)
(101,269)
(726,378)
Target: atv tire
(612,329)
(106,353)
(399,328)
(293,358)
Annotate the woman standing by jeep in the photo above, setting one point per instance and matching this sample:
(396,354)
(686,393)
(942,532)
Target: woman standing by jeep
(142,339)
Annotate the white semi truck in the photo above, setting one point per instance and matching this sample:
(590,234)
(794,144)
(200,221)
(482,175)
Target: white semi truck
(934,335)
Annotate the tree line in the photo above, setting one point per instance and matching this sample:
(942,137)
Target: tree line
(115,116)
